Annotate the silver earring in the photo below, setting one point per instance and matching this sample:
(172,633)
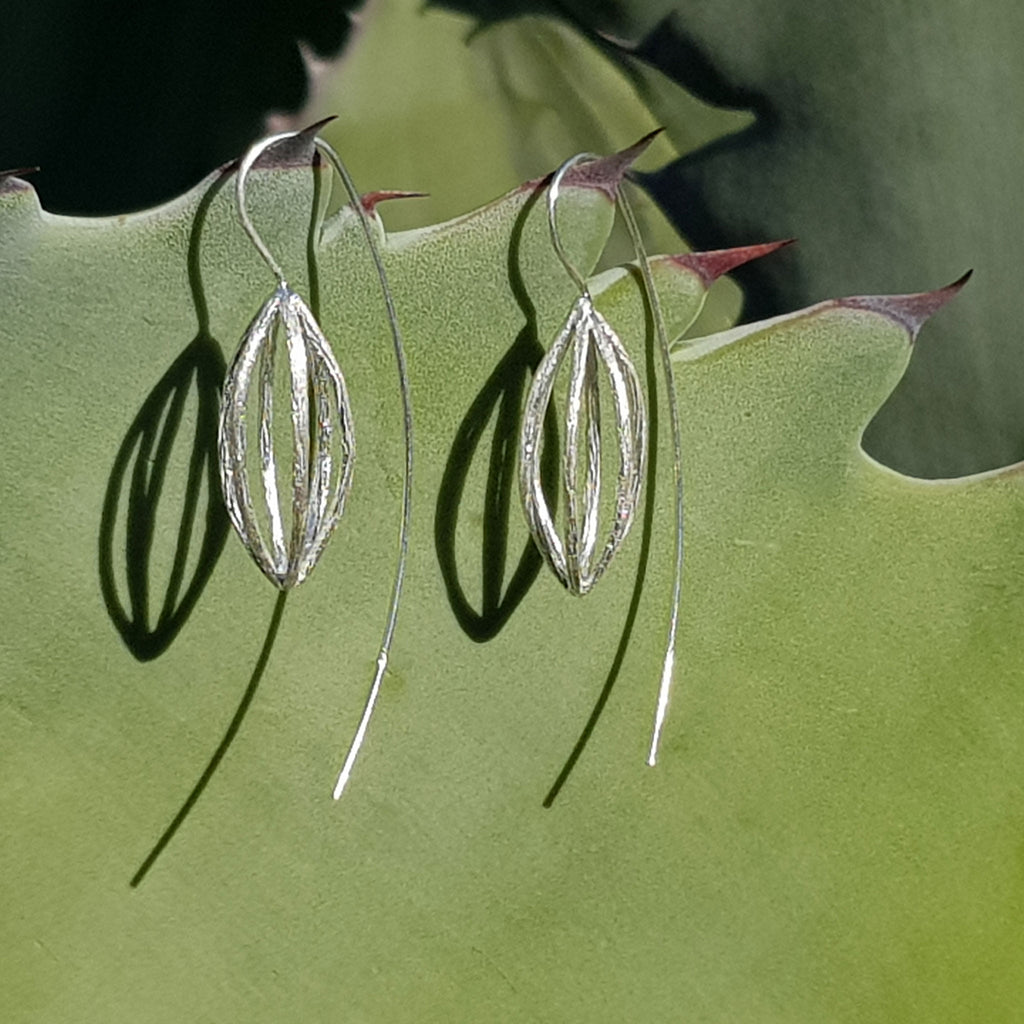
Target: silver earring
(322,430)
(322,452)
(581,557)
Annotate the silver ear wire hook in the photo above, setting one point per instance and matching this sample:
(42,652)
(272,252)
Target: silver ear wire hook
(554,191)
(244,167)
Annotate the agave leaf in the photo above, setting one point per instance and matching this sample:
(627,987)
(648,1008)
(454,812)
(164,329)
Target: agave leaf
(837,802)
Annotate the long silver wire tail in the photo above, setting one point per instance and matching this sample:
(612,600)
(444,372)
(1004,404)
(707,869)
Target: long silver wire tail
(403,536)
(668,664)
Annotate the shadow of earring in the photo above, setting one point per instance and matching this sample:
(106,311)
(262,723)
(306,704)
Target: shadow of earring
(500,400)
(133,499)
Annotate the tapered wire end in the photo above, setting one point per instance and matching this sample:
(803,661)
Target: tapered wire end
(364,722)
(350,757)
(652,754)
(339,786)
(667,669)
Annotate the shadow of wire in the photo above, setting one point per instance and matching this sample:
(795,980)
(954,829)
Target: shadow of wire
(222,748)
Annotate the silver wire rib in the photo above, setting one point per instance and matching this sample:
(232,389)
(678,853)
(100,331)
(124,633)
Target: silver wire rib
(575,560)
(318,494)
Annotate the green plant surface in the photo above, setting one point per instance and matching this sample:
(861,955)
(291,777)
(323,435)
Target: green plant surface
(832,832)
(475,111)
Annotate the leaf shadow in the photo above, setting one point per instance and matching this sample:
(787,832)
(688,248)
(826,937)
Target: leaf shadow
(501,399)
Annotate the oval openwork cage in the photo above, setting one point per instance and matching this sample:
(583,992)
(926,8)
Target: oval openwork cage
(594,351)
(285,541)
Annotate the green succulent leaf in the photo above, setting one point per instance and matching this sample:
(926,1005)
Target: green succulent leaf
(833,830)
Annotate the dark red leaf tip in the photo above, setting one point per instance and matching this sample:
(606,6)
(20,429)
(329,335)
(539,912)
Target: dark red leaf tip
(909,311)
(603,173)
(710,266)
(18,172)
(297,151)
(606,172)
(314,129)
(371,199)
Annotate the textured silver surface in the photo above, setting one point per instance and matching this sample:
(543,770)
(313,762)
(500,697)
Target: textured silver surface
(286,545)
(580,558)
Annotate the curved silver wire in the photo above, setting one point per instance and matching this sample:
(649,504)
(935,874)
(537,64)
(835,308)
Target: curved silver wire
(403,533)
(391,622)
(554,190)
(244,167)
(657,315)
